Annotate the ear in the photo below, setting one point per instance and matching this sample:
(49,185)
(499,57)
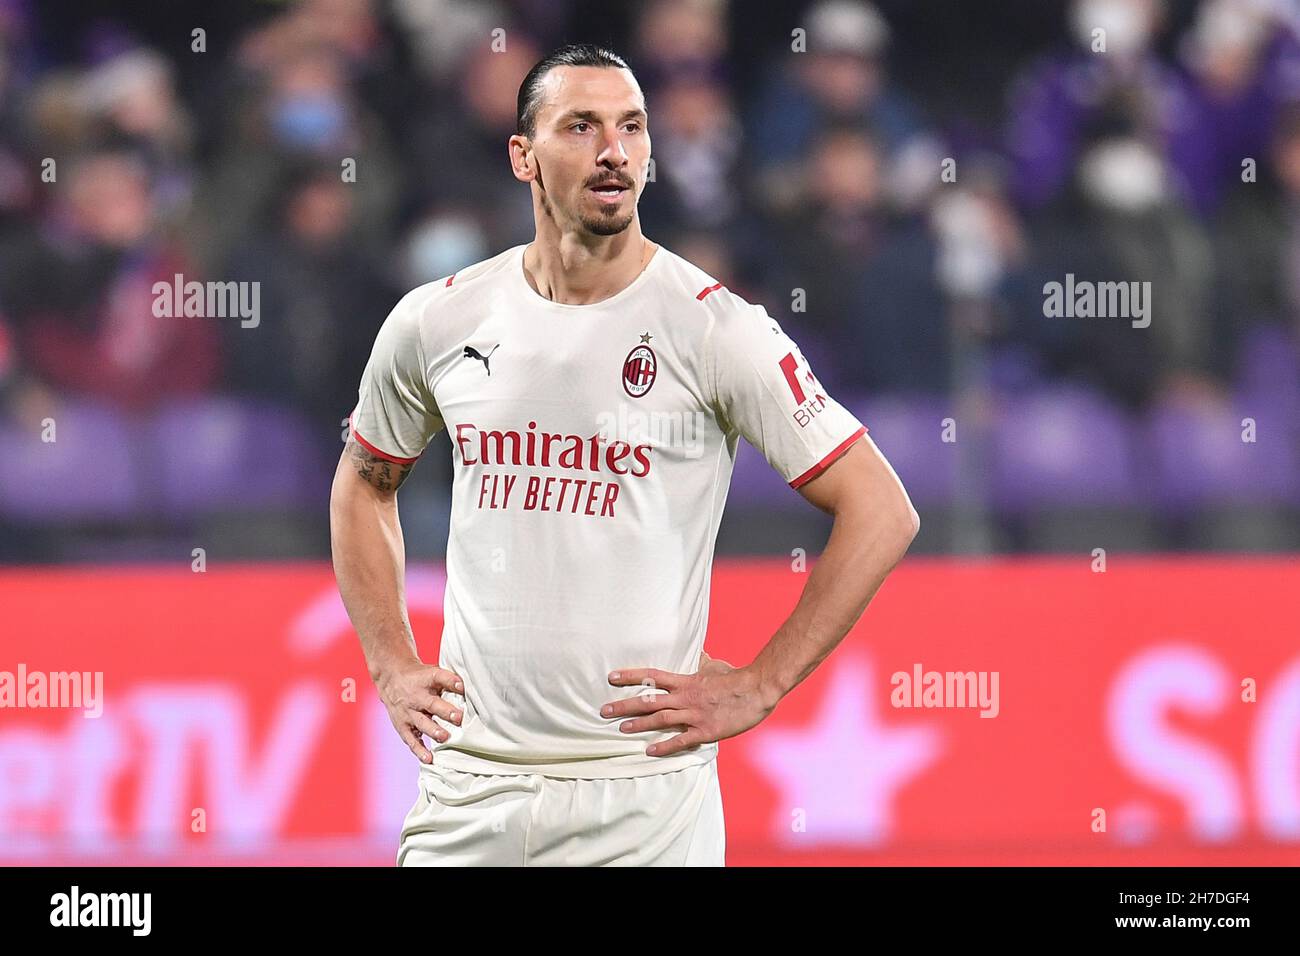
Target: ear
(521,159)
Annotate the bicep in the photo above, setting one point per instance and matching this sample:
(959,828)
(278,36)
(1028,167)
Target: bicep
(861,476)
(359,467)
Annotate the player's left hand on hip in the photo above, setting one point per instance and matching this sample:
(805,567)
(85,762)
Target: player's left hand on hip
(716,702)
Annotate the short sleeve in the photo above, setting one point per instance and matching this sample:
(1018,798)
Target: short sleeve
(765,390)
(395,416)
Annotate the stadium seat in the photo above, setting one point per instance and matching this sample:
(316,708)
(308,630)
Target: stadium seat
(89,472)
(231,455)
(1064,446)
(909,432)
(1201,459)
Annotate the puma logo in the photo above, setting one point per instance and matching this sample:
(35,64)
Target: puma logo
(471,352)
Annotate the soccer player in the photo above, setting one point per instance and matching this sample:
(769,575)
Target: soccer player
(594,386)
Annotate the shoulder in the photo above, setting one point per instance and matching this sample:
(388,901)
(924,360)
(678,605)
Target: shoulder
(429,306)
(730,333)
(472,280)
(704,294)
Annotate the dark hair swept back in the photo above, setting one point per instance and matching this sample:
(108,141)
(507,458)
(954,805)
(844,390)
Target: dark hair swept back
(573,54)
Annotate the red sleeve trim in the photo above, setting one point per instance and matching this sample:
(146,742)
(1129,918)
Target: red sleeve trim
(713,288)
(375,451)
(449,278)
(829,460)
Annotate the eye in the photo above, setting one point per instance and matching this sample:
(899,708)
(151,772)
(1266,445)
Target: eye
(633,127)
(576,125)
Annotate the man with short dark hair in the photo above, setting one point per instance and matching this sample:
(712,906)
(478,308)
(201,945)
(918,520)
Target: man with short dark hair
(594,387)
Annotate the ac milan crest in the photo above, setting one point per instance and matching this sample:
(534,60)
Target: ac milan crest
(639,370)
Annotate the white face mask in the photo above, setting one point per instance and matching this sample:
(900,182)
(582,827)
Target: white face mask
(1227,26)
(442,246)
(1127,24)
(969,261)
(1123,174)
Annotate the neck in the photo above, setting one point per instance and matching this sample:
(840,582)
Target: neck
(576,269)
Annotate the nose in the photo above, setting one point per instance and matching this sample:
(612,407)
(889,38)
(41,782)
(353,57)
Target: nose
(613,155)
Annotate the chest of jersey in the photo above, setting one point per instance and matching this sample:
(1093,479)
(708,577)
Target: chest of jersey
(570,413)
(617,376)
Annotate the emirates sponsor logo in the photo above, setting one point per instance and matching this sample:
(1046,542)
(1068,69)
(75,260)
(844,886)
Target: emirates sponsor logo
(540,449)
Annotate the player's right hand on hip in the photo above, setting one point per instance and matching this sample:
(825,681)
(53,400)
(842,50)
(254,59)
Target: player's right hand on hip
(412,694)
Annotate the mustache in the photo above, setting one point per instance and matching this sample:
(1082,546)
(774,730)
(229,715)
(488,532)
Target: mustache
(622,181)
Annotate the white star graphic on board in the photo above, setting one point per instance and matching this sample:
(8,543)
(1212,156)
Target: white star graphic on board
(843,769)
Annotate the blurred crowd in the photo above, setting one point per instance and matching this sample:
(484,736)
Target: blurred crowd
(905,247)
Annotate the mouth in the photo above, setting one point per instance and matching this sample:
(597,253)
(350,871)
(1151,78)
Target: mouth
(609,191)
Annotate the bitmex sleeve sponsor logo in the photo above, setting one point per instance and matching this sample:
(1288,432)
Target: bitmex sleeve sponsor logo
(75,908)
(573,495)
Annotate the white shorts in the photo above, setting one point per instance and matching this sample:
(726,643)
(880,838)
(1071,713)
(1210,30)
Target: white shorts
(469,819)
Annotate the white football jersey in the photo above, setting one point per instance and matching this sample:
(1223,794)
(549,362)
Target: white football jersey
(592,448)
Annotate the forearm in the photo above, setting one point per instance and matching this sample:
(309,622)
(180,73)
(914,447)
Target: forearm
(862,549)
(370,566)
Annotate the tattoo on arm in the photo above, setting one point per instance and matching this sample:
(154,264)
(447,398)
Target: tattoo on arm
(382,474)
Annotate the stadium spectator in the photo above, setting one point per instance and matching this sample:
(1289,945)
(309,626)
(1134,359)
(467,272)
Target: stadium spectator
(1063,100)
(841,78)
(1245,68)
(318,290)
(84,301)
(458,152)
(302,108)
(868,273)
(1258,243)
